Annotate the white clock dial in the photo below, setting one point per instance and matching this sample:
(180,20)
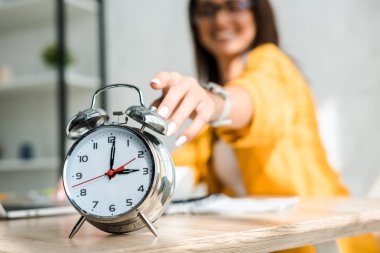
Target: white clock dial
(109,172)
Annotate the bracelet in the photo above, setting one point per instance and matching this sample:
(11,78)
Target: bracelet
(218,90)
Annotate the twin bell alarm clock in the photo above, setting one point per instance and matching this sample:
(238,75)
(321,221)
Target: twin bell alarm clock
(119,178)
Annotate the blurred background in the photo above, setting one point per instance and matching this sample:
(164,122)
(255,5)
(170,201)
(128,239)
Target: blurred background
(336,45)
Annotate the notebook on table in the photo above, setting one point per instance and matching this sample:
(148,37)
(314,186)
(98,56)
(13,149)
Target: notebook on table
(31,204)
(24,210)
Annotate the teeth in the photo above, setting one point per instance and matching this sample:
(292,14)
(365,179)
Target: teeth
(224,35)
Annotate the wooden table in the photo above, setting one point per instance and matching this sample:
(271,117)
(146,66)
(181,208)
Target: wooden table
(310,222)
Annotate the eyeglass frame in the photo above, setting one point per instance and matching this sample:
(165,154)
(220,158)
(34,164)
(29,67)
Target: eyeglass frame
(250,5)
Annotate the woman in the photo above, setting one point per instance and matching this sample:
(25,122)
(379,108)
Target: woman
(265,140)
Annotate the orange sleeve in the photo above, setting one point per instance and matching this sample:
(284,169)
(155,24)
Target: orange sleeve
(266,78)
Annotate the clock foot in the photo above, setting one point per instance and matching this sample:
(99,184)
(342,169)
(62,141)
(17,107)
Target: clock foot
(148,223)
(77,226)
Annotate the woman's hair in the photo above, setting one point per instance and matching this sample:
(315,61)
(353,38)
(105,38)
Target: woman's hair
(207,68)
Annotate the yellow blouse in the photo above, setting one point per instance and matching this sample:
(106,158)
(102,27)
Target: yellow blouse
(280,152)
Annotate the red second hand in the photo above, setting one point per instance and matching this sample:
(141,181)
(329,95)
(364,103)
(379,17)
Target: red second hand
(108,173)
(121,168)
(89,180)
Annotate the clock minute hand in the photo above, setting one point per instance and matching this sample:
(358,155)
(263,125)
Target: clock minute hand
(113,149)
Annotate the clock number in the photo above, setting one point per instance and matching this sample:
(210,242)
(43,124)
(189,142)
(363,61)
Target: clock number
(129,202)
(127,143)
(145,171)
(140,154)
(111,139)
(78,175)
(96,203)
(95,145)
(83,159)
(112,208)
(141,188)
(83,192)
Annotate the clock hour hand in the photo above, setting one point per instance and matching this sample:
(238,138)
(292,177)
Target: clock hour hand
(111,173)
(127,171)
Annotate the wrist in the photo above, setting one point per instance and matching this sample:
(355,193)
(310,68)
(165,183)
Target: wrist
(222,103)
(218,106)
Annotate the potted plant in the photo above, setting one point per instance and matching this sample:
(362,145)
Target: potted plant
(50,56)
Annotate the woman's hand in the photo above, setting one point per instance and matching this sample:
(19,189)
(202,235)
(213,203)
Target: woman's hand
(182,98)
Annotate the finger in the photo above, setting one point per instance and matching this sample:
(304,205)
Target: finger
(158,79)
(163,80)
(173,97)
(156,102)
(204,113)
(185,110)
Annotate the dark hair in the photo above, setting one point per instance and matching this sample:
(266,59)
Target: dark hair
(207,67)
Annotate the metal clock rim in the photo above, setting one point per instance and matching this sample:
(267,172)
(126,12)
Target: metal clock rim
(140,205)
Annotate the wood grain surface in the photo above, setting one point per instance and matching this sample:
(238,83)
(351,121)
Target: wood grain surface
(311,221)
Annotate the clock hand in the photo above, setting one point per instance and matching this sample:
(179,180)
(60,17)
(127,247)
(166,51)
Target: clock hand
(109,173)
(113,149)
(128,171)
(112,158)
(88,180)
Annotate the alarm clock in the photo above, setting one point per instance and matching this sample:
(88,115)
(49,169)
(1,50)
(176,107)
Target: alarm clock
(118,177)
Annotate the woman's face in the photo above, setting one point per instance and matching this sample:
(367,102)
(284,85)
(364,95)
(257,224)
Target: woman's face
(226,28)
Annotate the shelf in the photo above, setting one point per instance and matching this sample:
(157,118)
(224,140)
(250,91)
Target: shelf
(20,13)
(35,164)
(46,82)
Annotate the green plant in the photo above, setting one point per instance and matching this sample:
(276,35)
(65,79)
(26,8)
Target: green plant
(50,56)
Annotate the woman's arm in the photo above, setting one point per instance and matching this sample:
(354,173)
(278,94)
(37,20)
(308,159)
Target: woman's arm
(183,97)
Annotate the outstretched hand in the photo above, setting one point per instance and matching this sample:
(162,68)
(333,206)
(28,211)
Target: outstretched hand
(182,98)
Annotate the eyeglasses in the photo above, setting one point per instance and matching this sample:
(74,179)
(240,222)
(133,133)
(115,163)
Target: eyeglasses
(208,11)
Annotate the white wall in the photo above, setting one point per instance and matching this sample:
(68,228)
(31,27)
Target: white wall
(146,37)
(335,43)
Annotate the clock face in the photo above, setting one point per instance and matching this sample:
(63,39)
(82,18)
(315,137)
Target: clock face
(109,172)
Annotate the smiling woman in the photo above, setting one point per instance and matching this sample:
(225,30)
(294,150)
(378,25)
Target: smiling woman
(227,29)
(253,21)
(254,129)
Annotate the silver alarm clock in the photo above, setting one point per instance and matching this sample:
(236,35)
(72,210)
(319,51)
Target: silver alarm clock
(119,178)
